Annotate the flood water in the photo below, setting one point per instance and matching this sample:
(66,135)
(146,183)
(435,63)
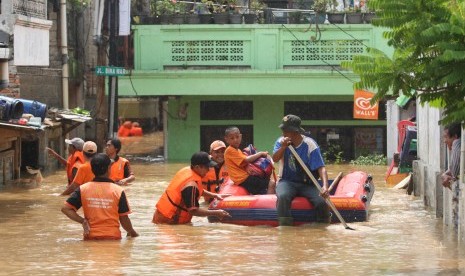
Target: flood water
(400,238)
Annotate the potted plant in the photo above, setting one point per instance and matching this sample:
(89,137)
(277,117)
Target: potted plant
(220,13)
(204,9)
(367,11)
(163,10)
(179,13)
(354,15)
(255,11)
(335,13)
(319,7)
(193,16)
(235,17)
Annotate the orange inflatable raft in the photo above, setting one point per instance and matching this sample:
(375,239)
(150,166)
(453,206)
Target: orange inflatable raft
(351,196)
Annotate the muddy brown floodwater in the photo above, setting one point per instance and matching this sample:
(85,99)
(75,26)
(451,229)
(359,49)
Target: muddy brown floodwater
(400,238)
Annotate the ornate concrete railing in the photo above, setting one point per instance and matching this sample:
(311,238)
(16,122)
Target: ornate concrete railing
(256,46)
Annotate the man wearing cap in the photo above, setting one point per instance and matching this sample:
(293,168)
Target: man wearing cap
(180,201)
(75,157)
(293,179)
(104,203)
(217,174)
(84,173)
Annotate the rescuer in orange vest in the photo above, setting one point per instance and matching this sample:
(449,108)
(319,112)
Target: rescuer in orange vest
(120,170)
(180,201)
(218,174)
(75,157)
(84,173)
(125,129)
(104,203)
(136,130)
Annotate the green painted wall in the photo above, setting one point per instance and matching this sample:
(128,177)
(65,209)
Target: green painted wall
(184,135)
(268,64)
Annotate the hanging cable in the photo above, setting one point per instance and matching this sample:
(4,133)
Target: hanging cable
(324,61)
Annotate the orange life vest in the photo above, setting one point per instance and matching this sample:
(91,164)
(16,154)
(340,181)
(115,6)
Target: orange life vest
(123,131)
(117,169)
(170,204)
(136,131)
(74,160)
(211,181)
(84,174)
(100,201)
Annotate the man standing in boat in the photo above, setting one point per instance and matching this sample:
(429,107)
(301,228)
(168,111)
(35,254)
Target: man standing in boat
(293,179)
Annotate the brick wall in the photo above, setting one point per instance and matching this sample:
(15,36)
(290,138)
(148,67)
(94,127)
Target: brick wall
(43,84)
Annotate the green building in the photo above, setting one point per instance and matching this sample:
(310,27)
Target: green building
(213,76)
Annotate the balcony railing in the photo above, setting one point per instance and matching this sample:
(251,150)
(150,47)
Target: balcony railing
(256,47)
(247,16)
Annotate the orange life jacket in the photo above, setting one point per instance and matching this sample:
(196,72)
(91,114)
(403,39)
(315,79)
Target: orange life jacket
(84,174)
(123,131)
(100,201)
(74,160)
(136,131)
(170,204)
(117,169)
(211,181)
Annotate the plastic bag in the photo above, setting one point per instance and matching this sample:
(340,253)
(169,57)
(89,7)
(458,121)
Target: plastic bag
(262,167)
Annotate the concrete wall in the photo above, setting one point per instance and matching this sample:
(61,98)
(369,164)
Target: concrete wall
(430,163)
(392,117)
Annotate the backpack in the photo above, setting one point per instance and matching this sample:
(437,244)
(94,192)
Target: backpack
(262,167)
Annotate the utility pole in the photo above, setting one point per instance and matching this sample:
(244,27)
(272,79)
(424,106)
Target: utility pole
(101,106)
(113,20)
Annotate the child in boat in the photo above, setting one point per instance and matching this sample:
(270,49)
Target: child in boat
(236,162)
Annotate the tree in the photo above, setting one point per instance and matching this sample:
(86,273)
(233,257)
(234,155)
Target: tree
(428,38)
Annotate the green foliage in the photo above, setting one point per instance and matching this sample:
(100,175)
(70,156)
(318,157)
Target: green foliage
(167,7)
(333,153)
(257,6)
(320,6)
(429,54)
(80,111)
(78,5)
(371,159)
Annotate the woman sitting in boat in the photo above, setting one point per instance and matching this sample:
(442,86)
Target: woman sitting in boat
(218,174)
(293,179)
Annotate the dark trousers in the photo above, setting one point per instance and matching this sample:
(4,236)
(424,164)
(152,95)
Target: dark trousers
(286,191)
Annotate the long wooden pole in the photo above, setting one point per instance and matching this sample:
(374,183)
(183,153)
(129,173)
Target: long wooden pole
(328,201)
(335,182)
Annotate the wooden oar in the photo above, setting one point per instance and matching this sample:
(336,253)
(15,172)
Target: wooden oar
(328,201)
(335,181)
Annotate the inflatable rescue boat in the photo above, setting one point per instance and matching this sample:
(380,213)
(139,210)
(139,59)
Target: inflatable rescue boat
(351,196)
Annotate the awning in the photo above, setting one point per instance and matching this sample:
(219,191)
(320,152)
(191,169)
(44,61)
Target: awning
(69,119)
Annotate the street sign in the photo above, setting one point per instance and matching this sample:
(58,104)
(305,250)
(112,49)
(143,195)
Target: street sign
(110,71)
